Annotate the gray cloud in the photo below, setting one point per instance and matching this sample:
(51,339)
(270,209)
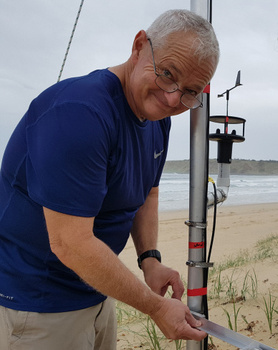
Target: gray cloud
(35,34)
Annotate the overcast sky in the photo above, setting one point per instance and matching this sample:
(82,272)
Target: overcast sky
(34,35)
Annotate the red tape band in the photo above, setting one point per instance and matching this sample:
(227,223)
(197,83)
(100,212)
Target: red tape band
(207,89)
(196,292)
(196,245)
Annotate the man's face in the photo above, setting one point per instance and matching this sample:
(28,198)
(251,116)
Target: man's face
(177,61)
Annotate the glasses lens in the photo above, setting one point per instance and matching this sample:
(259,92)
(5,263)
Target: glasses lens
(191,101)
(166,83)
(188,100)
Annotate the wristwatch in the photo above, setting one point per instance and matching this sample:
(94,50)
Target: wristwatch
(149,254)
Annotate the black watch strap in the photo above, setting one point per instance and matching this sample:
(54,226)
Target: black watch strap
(149,254)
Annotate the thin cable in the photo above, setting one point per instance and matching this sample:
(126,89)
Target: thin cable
(71,37)
(214,221)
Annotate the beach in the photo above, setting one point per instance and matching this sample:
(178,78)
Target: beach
(238,231)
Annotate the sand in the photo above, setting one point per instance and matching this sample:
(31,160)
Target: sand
(238,230)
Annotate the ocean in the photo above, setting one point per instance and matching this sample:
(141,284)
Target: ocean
(244,189)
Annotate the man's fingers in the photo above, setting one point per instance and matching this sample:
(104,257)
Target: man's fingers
(191,320)
(194,334)
(178,290)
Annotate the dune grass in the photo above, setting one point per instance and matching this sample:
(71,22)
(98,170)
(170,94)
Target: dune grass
(230,285)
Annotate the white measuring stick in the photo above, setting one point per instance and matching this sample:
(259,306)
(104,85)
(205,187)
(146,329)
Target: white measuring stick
(229,336)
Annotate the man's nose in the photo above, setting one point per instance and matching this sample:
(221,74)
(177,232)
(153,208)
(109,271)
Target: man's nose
(173,98)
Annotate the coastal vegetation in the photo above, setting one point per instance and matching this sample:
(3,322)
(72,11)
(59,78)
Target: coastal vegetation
(238,298)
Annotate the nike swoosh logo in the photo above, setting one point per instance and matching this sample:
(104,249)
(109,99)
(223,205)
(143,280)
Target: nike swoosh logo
(156,155)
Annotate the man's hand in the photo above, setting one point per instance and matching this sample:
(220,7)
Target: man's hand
(159,277)
(176,322)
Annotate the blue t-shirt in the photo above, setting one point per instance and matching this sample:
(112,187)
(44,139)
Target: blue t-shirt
(78,150)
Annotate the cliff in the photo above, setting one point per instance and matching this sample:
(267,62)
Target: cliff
(238,166)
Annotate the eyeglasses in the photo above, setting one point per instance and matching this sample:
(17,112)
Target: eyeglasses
(168,85)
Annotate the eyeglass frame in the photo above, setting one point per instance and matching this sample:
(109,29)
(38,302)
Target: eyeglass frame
(174,82)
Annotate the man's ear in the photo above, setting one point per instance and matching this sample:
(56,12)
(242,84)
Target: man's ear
(138,44)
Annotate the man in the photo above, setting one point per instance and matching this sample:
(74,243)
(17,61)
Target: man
(80,172)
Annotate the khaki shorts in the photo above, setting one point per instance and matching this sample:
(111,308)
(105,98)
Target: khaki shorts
(86,329)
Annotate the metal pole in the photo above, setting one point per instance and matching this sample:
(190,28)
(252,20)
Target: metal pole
(199,155)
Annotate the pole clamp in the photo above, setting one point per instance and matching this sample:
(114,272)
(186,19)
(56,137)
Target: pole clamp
(201,225)
(201,264)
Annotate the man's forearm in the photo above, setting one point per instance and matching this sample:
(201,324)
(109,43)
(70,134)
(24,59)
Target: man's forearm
(99,267)
(145,226)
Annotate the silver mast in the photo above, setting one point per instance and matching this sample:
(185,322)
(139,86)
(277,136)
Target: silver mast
(199,157)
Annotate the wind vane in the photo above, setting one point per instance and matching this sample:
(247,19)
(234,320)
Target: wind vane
(227,93)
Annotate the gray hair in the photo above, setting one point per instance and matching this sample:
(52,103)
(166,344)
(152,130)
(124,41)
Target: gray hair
(205,44)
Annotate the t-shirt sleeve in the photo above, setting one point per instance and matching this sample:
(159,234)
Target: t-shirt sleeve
(68,148)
